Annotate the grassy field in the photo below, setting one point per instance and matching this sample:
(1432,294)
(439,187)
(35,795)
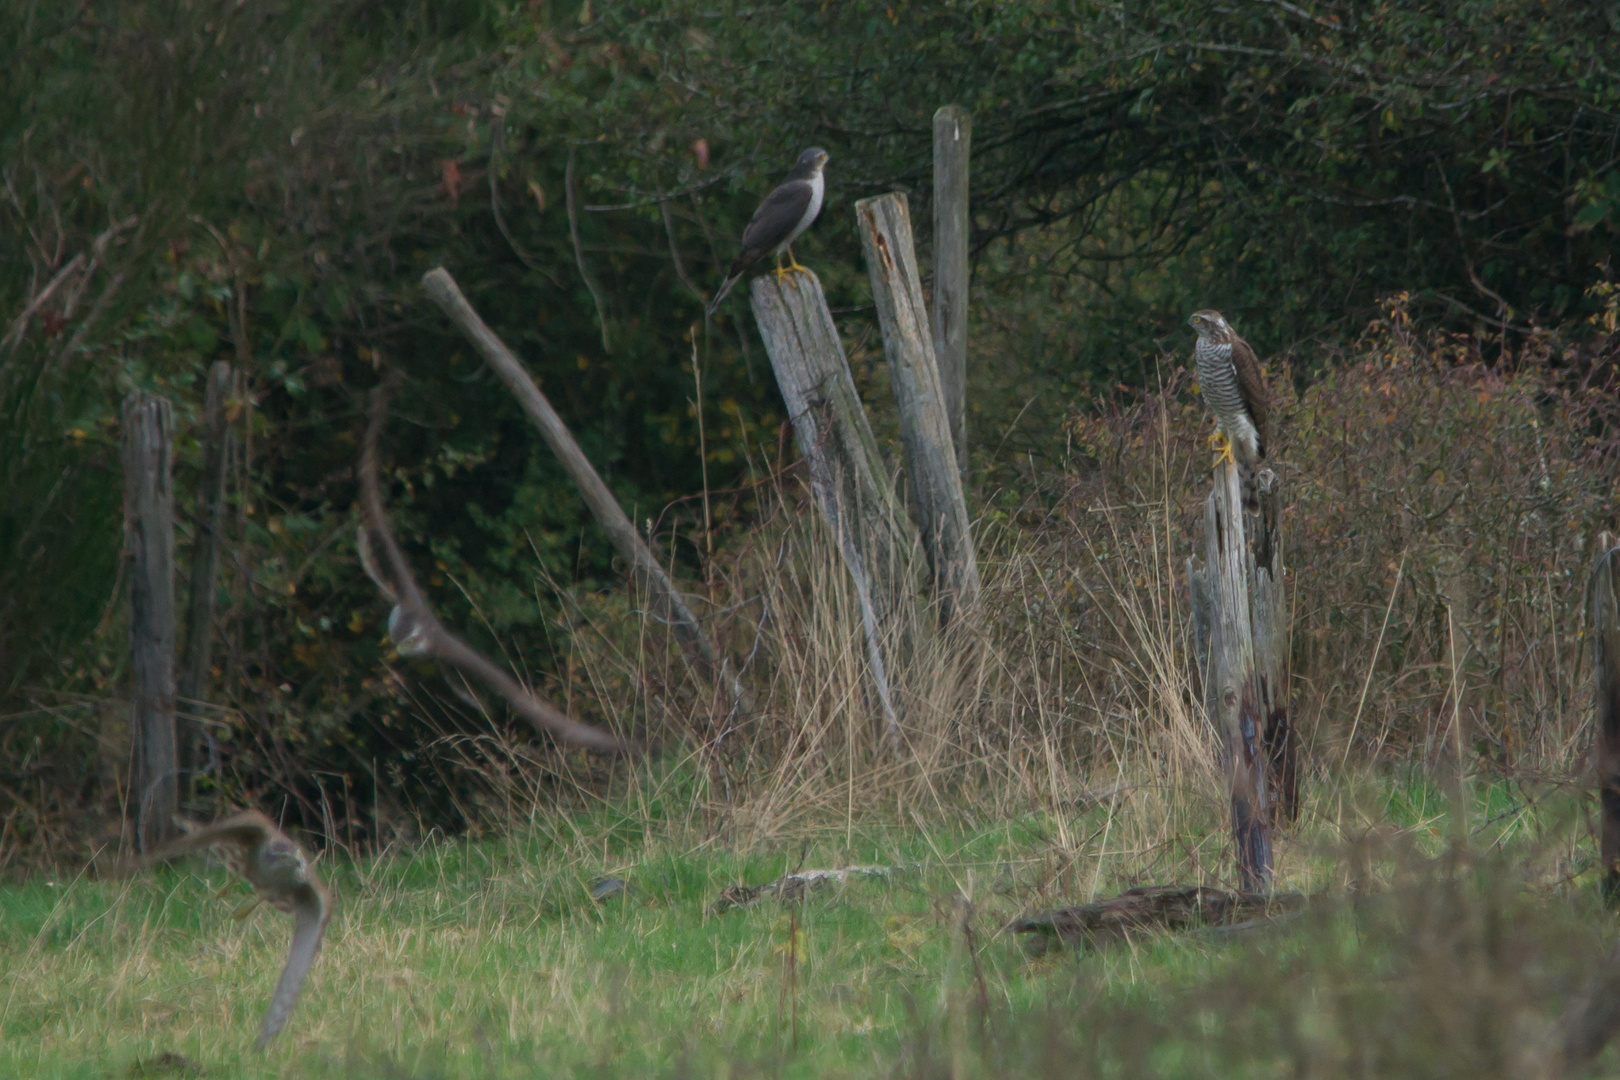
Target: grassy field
(491,959)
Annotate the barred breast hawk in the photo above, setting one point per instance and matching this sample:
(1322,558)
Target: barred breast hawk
(1230,380)
(786,212)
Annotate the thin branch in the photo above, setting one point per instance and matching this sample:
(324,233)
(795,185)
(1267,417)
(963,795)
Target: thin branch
(572,199)
(499,137)
(19,325)
(417,632)
(675,253)
(656,198)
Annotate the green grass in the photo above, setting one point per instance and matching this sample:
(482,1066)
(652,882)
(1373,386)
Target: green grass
(490,959)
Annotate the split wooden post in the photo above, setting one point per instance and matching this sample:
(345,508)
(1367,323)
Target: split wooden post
(149,544)
(1203,616)
(644,566)
(938,503)
(1233,689)
(209,535)
(1606,704)
(953,144)
(847,473)
(1269,611)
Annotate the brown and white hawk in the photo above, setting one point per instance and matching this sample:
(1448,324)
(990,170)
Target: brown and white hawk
(1235,391)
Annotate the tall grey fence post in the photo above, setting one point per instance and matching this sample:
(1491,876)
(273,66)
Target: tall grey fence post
(1606,705)
(644,566)
(149,541)
(1269,612)
(208,537)
(940,508)
(953,145)
(1234,688)
(847,473)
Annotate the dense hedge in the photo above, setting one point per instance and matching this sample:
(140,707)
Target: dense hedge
(289,169)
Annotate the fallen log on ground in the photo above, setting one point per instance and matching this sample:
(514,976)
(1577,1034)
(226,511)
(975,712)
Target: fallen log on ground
(1153,907)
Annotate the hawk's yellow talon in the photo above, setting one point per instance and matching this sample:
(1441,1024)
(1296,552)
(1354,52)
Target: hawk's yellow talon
(793,266)
(1222,445)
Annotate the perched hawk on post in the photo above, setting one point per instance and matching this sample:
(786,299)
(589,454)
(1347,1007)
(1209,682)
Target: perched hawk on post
(786,212)
(1229,378)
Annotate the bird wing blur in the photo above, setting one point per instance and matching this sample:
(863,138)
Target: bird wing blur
(313,907)
(274,864)
(244,831)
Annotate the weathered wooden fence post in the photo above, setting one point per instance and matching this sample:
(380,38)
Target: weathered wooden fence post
(644,566)
(1233,686)
(1606,704)
(209,535)
(1269,612)
(940,508)
(847,473)
(953,144)
(149,541)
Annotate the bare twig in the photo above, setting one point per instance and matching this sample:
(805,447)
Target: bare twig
(19,325)
(497,140)
(675,253)
(417,632)
(571,198)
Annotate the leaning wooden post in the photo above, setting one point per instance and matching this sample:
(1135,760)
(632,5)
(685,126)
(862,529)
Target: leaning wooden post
(1606,704)
(149,544)
(953,144)
(1269,611)
(1202,605)
(1234,676)
(209,534)
(847,473)
(644,567)
(941,510)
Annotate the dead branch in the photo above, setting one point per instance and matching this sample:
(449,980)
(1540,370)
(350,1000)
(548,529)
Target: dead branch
(98,247)
(416,631)
(570,201)
(19,325)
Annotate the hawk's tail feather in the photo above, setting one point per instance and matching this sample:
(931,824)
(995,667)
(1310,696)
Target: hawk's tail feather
(725,290)
(306,942)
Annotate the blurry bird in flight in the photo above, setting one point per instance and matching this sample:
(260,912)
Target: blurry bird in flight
(279,871)
(786,212)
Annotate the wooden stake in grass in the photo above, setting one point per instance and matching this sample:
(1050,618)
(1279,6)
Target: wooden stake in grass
(210,535)
(847,473)
(149,544)
(953,144)
(1606,704)
(1269,615)
(1234,692)
(925,428)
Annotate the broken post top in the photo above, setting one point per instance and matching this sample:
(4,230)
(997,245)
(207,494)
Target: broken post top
(939,506)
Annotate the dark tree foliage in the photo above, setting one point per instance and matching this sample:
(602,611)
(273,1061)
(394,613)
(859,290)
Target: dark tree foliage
(1295,161)
(288,169)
